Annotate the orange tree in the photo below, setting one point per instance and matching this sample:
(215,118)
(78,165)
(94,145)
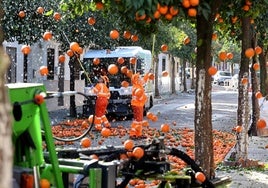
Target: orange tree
(146,14)
(245,24)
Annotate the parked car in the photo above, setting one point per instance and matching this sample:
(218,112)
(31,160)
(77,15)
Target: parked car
(221,77)
(234,81)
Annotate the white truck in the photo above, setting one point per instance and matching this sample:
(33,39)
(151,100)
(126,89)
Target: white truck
(119,103)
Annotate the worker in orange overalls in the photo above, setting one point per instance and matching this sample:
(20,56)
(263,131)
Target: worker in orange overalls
(103,94)
(137,103)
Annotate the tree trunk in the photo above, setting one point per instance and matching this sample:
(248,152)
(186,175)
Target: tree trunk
(192,76)
(203,109)
(183,74)
(156,92)
(61,84)
(263,72)
(255,114)
(241,147)
(6,151)
(172,74)
(73,112)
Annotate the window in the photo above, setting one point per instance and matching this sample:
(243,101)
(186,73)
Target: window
(163,64)
(50,63)
(11,73)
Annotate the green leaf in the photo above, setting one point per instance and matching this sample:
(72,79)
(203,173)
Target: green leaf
(49,13)
(64,7)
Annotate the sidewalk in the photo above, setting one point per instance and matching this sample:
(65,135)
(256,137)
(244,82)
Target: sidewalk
(249,178)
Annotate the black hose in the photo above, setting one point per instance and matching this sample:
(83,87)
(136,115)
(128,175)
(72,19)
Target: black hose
(194,166)
(61,94)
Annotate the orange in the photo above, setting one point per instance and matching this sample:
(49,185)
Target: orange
(212,70)
(129,144)
(256,66)
(261,124)
(39,99)
(138,152)
(91,20)
(105,132)
(246,8)
(40,10)
(85,142)
(186,3)
(70,53)
(200,176)
(238,128)
(154,118)
(21,14)
(149,115)
(234,19)
(96,61)
(165,127)
(163,9)
(47,35)
(57,16)
(186,40)
(134,38)
(124,69)
(222,56)
(173,10)
(192,12)
(164,47)
(74,46)
(133,60)
(258,50)
(120,60)
(230,55)
(151,76)
(168,16)
(99,5)
(249,53)
(165,73)
(25,49)
(214,36)
(80,50)
(44,183)
(127,34)
(114,34)
(84,124)
(244,81)
(61,58)
(194,2)
(112,69)
(140,17)
(258,95)
(157,14)
(124,84)
(43,70)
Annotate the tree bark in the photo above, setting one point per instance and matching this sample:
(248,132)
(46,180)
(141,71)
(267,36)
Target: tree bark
(172,74)
(263,72)
(6,151)
(255,114)
(241,148)
(183,74)
(156,92)
(203,109)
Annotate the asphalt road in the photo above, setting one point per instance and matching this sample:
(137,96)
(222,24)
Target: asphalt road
(179,109)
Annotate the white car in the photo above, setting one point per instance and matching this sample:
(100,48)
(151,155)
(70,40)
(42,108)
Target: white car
(221,76)
(234,81)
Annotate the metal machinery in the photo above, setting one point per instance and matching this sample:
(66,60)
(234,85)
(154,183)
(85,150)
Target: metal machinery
(32,161)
